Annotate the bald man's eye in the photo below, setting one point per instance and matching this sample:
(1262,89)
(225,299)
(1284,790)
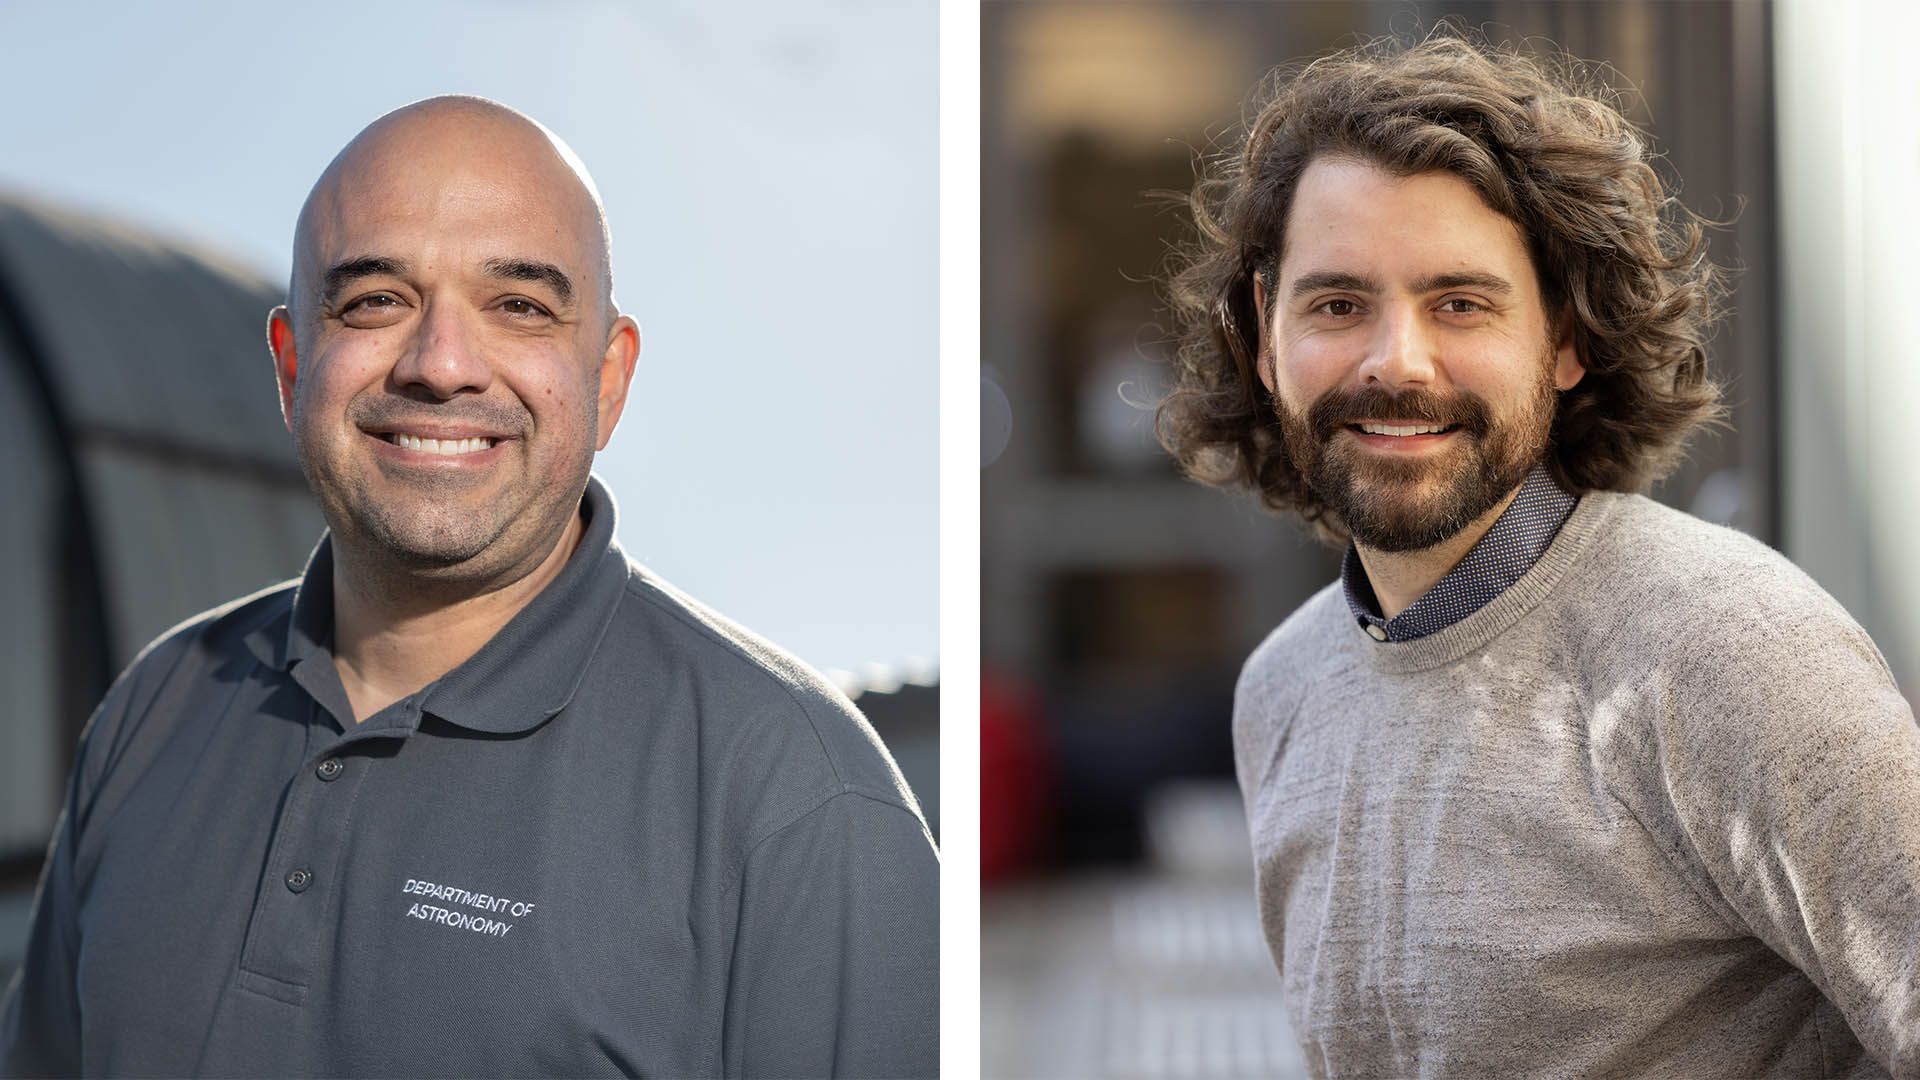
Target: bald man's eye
(371,311)
(522,308)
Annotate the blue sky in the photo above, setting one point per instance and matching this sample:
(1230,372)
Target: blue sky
(770,171)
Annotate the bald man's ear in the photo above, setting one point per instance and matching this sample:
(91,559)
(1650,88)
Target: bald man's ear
(286,364)
(616,375)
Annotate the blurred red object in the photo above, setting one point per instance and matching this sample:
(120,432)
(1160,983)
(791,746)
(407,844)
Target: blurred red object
(1015,780)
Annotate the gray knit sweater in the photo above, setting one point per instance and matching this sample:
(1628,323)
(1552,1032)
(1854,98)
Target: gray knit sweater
(1654,811)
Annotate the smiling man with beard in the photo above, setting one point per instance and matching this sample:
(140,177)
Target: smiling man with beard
(1554,780)
(476,795)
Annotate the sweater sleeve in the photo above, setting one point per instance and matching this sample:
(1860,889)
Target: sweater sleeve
(836,961)
(1789,766)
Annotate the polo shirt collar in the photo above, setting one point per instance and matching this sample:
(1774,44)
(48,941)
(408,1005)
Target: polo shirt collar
(524,674)
(1516,540)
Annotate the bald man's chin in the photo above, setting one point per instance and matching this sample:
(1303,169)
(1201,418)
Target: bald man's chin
(430,541)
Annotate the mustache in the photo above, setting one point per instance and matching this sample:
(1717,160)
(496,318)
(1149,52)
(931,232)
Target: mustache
(1338,408)
(394,411)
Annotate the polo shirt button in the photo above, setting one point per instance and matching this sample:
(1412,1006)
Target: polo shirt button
(1376,632)
(330,769)
(298,880)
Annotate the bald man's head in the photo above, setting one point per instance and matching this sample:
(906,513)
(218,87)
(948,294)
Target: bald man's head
(444,162)
(449,359)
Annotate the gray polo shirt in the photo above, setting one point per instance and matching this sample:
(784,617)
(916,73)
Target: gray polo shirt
(625,837)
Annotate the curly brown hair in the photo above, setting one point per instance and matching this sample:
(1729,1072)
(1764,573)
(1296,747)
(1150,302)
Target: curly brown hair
(1616,256)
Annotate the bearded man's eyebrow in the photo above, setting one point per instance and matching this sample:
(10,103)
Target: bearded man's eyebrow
(1316,280)
(347,271)
(535,271)
(1465,279)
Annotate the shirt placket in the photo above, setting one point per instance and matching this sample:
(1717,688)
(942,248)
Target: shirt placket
(295,910)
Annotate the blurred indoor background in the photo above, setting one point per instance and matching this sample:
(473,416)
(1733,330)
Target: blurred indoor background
(1119,932)
(770,177)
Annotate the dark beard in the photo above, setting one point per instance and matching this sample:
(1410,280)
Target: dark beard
(1377,498)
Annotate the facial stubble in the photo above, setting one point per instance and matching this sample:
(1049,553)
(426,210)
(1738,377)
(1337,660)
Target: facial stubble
(419,520)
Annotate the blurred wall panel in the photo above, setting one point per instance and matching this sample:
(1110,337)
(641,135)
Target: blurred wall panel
(1849,150)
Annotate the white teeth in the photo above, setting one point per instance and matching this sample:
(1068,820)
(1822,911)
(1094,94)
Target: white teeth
(1392,429)
(440,446)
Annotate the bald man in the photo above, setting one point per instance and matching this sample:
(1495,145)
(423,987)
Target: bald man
(475,795)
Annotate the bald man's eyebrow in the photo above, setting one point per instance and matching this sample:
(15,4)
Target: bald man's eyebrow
(533,270)
(347,271)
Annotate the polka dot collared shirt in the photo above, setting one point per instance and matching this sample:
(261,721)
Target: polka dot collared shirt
(1508,550)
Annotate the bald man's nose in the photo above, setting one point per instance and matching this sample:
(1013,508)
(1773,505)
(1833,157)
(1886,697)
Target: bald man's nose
(443,357)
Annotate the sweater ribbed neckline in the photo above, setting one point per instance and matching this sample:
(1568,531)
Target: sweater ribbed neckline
(1476,630)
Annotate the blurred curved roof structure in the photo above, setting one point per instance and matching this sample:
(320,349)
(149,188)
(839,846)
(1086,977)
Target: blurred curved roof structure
(148,474)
